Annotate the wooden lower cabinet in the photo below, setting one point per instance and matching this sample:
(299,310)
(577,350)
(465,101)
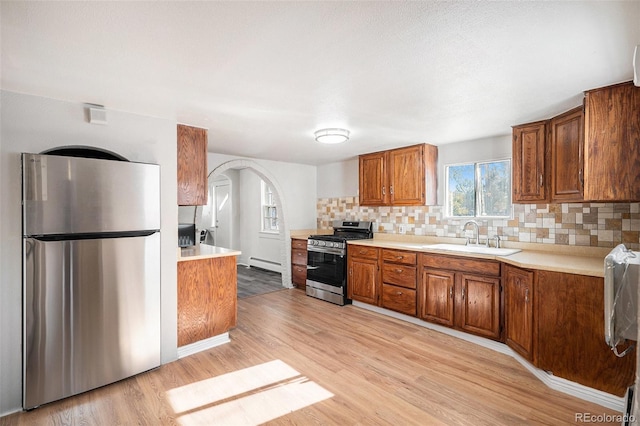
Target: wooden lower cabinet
(466,295)
(437,296)
(518,313)
(363,278)
(570,333)
(478,310)
(207,298)
(467,302)
(399,281)
(299,262)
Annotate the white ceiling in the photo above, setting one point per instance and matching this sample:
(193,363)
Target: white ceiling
(263,76)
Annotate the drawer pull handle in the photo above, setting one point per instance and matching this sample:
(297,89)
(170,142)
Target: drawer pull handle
(399,271)
(400,257)
(398,293)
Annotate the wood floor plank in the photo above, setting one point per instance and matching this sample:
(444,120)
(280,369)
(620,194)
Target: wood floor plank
(379,370)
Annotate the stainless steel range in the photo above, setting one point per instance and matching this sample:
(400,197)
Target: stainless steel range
(327,260)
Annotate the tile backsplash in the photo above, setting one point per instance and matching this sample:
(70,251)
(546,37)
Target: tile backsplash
(579,224)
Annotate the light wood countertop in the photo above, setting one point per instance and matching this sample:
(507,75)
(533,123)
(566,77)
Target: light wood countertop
(204,251)
(567,259)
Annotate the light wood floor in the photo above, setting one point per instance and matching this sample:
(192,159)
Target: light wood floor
(364,368)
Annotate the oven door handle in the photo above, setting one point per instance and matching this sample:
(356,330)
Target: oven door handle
(311,268)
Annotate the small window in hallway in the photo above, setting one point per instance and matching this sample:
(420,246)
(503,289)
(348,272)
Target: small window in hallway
(269,209)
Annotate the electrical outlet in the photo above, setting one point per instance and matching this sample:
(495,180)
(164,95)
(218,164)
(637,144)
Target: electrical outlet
(401,229)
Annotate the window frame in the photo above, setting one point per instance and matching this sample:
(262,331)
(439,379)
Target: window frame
(266,189)
(477,189)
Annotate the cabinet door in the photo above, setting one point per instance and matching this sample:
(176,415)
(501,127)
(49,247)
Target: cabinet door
(567,160)
(529,162)
(373,185)
(478,310)
(570,342)
(406,170)
(436,304)
(612,135)
(362,284)
(207,298)
(192,166)
(519,310)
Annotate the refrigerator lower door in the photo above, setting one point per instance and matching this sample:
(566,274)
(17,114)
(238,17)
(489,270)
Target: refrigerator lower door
(91,314)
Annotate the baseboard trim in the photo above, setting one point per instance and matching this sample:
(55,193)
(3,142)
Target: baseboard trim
(203,345)
(556,383)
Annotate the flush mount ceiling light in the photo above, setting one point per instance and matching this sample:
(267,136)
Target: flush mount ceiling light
(332,135)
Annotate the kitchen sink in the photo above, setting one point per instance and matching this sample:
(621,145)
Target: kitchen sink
(472,249)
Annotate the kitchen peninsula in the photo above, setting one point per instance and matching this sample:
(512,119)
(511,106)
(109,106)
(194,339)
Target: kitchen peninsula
(207,296)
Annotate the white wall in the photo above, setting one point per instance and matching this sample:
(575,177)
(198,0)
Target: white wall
(253,242)
(341,179)
(34,124)
(298,182)
(338,179)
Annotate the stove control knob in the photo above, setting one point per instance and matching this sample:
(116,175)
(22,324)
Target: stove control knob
(321,243)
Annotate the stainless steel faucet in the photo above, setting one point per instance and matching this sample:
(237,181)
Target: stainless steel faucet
(477,231)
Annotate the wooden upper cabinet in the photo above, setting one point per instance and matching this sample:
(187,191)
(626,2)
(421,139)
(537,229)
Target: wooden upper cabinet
(566,137)
(402,177)
(612,143)
(529,162)
(192,166)
(374,179)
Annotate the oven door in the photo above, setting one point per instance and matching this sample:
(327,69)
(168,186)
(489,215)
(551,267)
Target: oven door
(327,266)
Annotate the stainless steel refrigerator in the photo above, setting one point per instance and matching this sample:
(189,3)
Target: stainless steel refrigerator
(91,273)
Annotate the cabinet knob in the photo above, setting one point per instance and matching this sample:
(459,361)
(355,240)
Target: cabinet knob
(398,293)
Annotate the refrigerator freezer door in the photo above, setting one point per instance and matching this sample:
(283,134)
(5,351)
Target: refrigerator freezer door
(71,195)
(92,314)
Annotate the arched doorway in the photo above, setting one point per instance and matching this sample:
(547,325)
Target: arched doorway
(284,231)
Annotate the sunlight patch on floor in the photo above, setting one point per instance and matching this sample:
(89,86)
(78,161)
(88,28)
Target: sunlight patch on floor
(249,396)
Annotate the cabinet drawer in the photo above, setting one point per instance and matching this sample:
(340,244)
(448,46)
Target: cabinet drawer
(299,257)
(397,256)
(361,251)
(402,275)
(298,243)
(299,275)
(399,299)
(463,264)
